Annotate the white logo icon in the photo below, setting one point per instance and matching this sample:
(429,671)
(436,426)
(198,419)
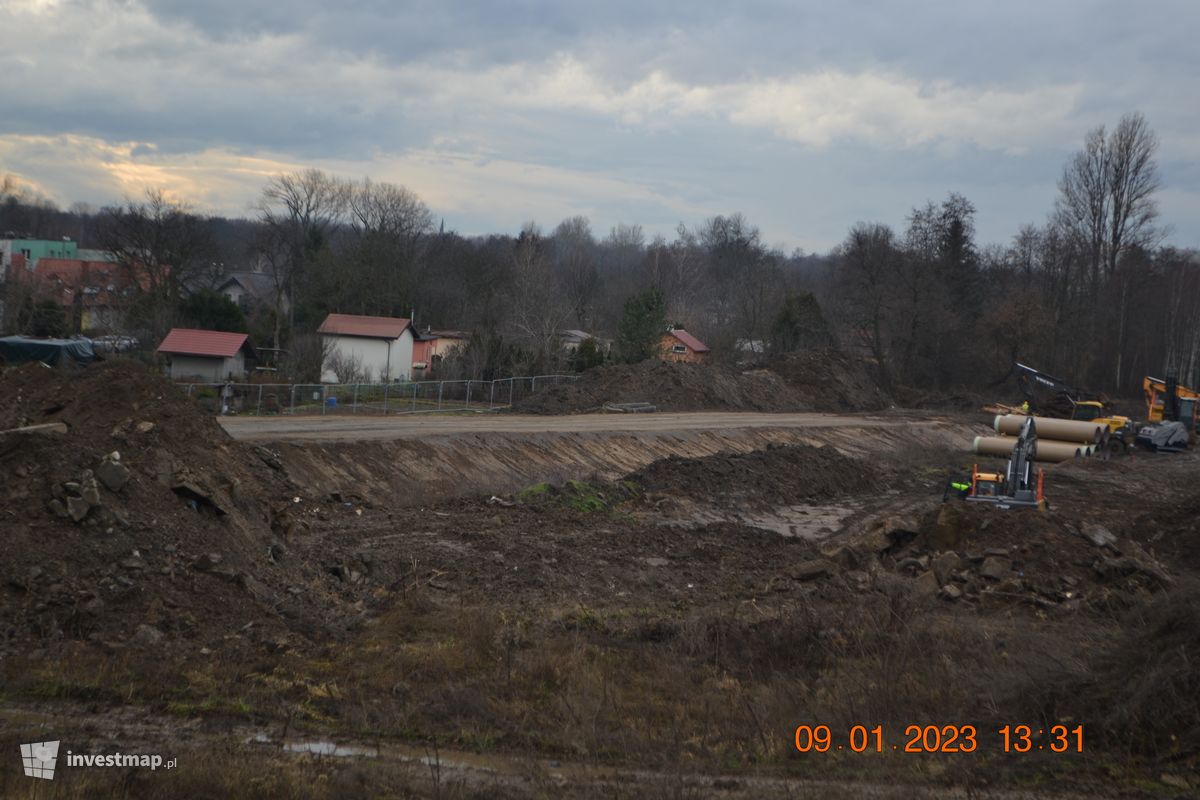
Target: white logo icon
(39,759)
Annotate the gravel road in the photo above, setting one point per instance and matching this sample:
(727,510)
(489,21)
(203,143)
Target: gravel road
(413,426)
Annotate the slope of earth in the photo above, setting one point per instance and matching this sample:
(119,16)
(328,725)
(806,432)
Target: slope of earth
(669,386)
(143,523)
(822,380)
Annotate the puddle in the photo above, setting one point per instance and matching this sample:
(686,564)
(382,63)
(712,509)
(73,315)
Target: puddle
(320,747)
(395,751)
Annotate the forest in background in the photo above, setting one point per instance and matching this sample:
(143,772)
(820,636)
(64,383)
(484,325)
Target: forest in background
(1094,294)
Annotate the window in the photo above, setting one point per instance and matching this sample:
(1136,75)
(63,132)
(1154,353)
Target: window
(679,349)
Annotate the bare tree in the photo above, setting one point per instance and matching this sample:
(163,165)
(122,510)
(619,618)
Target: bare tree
(574,255)
(538,306)
(303,208)
(866,287)
(162,247)
(1106,193)
(388,224)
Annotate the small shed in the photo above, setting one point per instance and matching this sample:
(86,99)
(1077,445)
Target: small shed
(375,348)
(207,355)
(679,345)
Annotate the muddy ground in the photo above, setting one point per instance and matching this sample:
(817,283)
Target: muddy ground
(296,621)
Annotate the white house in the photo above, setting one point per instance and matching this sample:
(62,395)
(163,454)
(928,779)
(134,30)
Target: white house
(214,356)
(375,348)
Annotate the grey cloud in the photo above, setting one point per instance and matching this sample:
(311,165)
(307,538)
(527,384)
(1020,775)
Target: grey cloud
(312,82)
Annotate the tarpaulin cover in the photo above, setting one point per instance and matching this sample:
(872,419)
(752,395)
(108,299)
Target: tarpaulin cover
(21,349)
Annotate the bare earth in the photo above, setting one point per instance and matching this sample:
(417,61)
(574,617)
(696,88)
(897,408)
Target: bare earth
(359,428)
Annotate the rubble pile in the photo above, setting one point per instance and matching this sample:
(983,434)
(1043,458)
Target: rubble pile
(116,516)
(995,558)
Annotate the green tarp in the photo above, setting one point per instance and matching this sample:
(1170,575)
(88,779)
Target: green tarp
(22,349)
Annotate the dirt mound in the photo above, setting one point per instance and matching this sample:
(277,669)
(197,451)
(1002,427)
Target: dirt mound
(669,386)
(829,380)
(142,523)
(975,553)
(778,475)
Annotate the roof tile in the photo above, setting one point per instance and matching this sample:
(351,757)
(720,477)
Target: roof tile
(369,327)
(192,342)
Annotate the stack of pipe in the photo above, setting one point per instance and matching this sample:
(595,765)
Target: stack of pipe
(1057,439)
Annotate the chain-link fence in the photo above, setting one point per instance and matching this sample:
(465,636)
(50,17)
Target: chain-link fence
(409,397)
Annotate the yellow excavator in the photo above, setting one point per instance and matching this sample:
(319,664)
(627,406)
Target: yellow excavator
(1050,397)
(1167,400)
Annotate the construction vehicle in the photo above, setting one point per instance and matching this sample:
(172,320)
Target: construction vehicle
(1166,400)
(1020,485)
(1052,397)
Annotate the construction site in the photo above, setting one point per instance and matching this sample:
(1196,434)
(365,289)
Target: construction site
(718,597)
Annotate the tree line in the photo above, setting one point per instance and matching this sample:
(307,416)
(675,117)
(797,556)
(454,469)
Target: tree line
(1092,294)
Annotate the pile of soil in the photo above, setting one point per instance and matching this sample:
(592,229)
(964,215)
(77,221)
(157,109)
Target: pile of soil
(669,386)
(978,554)
(829,380)
(778,475)
(143,524)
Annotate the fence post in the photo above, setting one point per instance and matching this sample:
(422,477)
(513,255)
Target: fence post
(293,393)
(468,393)
(533,384)
(440,385)
(324,398)
(385,394)
(258,408)
(492,396)
(354,401)
(415,386)
(511,381)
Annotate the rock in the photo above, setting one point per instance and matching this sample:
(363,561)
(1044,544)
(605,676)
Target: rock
(999,552)
(951,592)
(948,529)
(945,564)
(1175,781)
(58,508)
(94,606)
(653,562)
(147,634)
(72,487)
(77,508)
(1098,535)
(860,579)
(995,568)
(89,489)
(206,562)
(113,474)
(812,570)
(927,583)
(144,427)
(276,552)
(885,533)
(133,562)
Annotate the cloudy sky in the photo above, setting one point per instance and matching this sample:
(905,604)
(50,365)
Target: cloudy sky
(805,116)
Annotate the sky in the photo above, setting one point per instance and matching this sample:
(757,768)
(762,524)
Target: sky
(806,117)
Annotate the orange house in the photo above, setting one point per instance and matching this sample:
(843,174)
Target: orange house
(679,345)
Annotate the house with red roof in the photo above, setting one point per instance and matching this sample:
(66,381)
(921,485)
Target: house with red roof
(208,356)
(91,292)
(366,349)
(679,345)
